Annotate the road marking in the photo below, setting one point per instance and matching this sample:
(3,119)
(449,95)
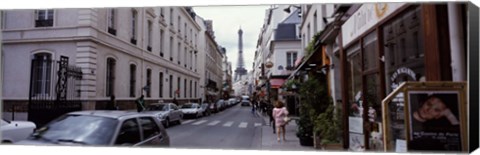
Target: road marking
(199,122)
(213,123)
(187,121)
(243,125)
(258,124)
(228,124)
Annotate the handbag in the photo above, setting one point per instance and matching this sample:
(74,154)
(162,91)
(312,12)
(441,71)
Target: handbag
(286,119)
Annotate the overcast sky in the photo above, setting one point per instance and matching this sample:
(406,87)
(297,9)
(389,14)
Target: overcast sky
(226,22)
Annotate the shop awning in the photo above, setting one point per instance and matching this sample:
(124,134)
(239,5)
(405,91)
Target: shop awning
(276,83)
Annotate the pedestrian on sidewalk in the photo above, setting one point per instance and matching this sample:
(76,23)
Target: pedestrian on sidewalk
(280,113)
(112,104)
(140,104)
(272,119)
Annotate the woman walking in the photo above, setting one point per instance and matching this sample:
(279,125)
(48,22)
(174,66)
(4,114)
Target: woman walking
(279,113)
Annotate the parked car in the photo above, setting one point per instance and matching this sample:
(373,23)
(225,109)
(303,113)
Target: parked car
(191,110)
(245,103)
(205,109)
(220,105)
(232,101)
(14,131)
(101,128)
(168,113)
(213,108)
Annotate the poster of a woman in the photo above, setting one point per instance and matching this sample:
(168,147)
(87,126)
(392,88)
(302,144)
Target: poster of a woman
(434,121)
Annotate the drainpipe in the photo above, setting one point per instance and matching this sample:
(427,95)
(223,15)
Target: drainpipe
(457,49)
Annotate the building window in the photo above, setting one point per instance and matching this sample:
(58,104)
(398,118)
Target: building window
(191,36)
(178,87)
(44,18)
(42,73)
(195,84)
(110,77)
(185,88)
(161,42)
(171,48)
(171,16)
(162,11)
(315,22)
(195,62)
(133,80)
(149,82)
(179,52)
(179,26)
(111,22)
(133,39)
(185,32)
(149,36)
(171,86)
(191,89)
(291,57)
(191,60)
(185,57)
(160,85)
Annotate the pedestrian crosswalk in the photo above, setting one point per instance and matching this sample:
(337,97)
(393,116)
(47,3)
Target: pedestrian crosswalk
(239,124)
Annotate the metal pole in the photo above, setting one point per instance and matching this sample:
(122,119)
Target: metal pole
(457,49)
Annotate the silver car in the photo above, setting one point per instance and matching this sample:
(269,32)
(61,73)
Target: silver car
(101,128)
(13,131)
(168,113)
(191,110)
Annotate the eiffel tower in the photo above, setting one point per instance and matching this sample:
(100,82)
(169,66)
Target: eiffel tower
(240,71)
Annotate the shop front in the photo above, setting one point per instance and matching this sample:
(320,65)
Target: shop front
(383,45)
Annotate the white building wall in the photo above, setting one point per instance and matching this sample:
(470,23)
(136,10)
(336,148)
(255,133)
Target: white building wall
(81,35)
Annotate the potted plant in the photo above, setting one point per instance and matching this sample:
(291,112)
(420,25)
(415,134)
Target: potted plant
(312,94)
(305,127)
(327,127)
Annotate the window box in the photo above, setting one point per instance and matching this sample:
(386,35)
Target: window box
(44,23)
(133,41)
(149,48)
(112,31)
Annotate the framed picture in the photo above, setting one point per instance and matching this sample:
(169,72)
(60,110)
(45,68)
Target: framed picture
(434,121)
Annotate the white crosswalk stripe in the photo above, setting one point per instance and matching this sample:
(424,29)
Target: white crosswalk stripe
(213,123)
(199,122)
(258,124)
(228,124)
(187,121)
(243,125)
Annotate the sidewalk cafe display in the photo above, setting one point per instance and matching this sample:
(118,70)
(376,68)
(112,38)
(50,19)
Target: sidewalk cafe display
(434,120)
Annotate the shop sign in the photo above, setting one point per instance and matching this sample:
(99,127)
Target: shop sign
(402,71)
(365,18)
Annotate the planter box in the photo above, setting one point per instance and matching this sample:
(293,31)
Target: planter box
(306,141)
(333,146)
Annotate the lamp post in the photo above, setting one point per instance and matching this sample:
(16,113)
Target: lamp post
(268,64)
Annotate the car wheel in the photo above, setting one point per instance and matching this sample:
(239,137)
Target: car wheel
(179,121)
(167,122)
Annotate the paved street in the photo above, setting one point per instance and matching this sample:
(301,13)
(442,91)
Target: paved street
(233,128)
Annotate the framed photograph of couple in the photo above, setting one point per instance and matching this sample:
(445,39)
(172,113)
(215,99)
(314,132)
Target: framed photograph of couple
(436,118)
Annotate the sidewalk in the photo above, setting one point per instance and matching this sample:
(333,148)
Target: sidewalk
(269,139)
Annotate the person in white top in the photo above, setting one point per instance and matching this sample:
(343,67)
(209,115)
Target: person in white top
(279,113)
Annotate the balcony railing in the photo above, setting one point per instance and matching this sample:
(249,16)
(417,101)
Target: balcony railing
(44,23)
(112,31)
(133,41)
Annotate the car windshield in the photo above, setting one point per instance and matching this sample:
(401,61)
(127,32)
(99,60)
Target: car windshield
(157,107)
(81,129)
(189,106)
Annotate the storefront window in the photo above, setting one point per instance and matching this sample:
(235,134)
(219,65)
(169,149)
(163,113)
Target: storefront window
(404,54)
(370,56)
(354,74)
